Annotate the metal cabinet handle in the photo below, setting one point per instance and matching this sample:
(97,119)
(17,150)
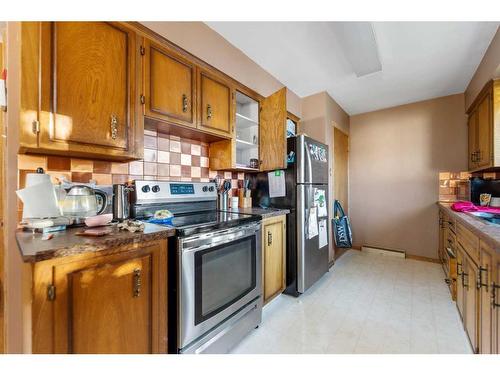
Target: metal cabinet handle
(114,126)
(494,288)
(463,281)
(459,271)
(209,112)
(269,238)
(184,103)
(137,283)
(480,283)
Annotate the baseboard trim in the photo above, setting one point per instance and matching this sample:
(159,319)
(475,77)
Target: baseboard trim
(383,251)
(422,258)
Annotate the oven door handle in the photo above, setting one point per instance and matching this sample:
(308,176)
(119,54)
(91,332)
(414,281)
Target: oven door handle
(223,239)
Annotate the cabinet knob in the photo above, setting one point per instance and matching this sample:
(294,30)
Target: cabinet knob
(184,103)
(209,112)
(114,126)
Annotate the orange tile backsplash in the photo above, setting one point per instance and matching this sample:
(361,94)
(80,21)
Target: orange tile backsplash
(452,185)
(166,157)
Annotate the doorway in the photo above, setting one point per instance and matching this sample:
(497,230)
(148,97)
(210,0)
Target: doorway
(340,175)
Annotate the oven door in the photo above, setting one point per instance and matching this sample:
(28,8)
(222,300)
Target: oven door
(220,273)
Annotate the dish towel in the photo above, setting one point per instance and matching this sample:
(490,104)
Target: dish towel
(464,206)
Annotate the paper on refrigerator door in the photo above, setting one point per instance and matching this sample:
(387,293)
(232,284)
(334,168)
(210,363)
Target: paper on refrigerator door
(312,223)
(276,184)
(323,233)
(320,202)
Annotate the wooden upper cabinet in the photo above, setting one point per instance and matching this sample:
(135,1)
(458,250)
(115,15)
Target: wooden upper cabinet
(114,304)
(87,92)
(216,105)
(484,128)
(170,85)
(484,132)
(472,140)
(273,144)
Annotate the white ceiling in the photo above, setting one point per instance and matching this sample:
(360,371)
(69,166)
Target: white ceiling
(420,60)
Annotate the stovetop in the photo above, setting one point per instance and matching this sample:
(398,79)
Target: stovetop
(207,221)
(193,205)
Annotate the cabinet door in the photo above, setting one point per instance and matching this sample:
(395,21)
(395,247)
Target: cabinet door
(484,132)
(114,304)
(170,83)
(274,257)
(216,105)
(486,308)
(272,132)
(460,282)
(88,88)
(496,305)
(472,140)
(471,301)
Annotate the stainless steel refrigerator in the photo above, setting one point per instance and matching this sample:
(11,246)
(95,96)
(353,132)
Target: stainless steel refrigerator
(306,188)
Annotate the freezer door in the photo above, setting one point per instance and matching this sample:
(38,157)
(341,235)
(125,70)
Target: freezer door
(312,261)
(312,161)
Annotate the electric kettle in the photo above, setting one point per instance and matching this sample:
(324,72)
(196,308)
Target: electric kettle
(81,202)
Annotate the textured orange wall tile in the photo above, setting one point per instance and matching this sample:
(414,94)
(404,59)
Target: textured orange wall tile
(82,165)
(31,162)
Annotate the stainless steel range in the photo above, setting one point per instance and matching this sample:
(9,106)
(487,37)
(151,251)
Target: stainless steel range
(215,284)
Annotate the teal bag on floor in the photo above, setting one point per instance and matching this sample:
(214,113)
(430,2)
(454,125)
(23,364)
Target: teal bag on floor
(341,226)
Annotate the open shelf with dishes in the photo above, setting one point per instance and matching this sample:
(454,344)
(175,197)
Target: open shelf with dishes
(247,131)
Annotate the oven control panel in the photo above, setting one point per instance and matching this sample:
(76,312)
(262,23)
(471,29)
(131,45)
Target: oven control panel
(173,191)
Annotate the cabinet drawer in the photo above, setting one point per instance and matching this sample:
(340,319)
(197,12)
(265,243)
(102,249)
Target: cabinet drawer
(469,241)
(449,223)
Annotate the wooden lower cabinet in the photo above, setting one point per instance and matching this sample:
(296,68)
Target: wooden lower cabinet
(477,270)
(495,301)
(471,300)
(274,256)
(484,282)
(113,303)
(460,282)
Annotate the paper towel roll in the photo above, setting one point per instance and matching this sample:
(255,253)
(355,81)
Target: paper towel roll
(39,201)
(36,178)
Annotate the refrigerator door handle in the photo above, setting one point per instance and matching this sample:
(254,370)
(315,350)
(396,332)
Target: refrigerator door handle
(309,162)
(301,233)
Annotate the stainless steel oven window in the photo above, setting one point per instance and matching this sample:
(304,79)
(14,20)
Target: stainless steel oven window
(223,275)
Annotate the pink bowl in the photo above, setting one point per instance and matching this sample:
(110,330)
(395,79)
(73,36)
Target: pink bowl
(98,220)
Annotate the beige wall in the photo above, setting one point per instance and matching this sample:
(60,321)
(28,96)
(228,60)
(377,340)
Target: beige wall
(396,155)
(206,44)
(488,68)
(320,114)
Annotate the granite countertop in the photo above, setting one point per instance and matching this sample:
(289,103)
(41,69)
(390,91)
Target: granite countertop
(66,243)
(486,231)
(264,212)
